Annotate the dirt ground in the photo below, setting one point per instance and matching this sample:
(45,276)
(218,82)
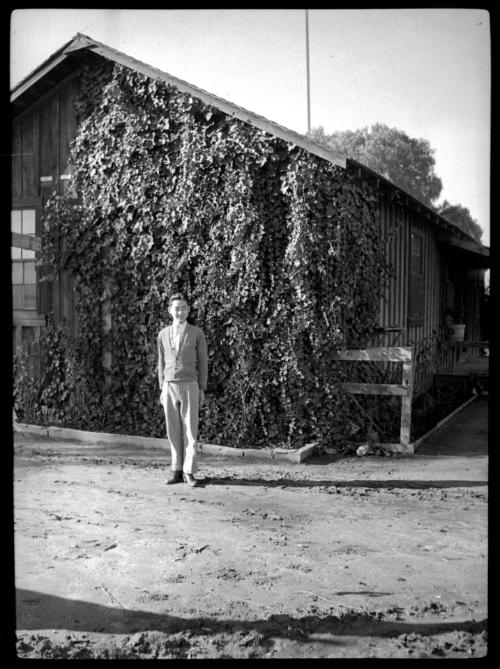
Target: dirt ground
(358,557)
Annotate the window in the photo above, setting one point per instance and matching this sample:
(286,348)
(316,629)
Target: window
(23,262)
(416,296)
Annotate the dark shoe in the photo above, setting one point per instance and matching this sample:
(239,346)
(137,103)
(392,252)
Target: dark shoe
(189,478)
(175,478)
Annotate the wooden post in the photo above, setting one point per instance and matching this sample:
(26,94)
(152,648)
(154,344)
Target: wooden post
(406,401)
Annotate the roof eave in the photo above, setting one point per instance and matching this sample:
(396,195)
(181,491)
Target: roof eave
(450,227)
(77,42)
(81,41)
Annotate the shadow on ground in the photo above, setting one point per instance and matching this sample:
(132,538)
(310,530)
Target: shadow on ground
(466,433)
(328,483)
(39,611)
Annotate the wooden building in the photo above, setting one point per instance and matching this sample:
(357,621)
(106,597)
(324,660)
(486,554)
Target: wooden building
(438,269)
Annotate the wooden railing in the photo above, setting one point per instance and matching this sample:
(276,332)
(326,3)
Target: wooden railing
(454,353)
(405,355)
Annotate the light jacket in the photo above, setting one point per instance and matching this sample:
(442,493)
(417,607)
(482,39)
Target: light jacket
(190,363)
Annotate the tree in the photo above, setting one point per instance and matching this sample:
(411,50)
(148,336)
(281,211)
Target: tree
(407,162)
(461,217)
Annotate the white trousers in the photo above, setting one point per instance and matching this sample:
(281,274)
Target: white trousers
(181,402)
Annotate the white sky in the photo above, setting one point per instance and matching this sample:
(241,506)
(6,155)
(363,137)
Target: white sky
(424,71)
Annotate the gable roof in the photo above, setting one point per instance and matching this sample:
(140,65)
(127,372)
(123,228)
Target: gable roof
(63,56)
(62,64)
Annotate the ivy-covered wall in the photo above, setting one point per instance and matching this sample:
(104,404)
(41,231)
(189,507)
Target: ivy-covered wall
(279,252)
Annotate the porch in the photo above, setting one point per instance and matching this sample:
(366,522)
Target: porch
(464,360)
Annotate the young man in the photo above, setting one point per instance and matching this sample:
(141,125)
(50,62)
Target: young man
(182,374)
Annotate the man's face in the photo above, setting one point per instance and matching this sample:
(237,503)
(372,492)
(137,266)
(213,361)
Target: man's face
(179,311)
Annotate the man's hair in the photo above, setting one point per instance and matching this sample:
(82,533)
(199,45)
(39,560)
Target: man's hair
(177,296)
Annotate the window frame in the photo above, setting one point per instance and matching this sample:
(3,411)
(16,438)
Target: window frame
(26,257)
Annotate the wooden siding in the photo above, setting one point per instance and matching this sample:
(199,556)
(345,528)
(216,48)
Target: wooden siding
(27,336)
(398,222)
(30,162)
(47,141)
(67,124)
(445,283)
(41,138)
(393,305)
(41,141)
(17,162)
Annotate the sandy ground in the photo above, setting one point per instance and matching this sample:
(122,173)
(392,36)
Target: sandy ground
(358,557)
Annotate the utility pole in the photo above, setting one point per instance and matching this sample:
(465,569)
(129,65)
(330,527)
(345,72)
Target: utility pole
(308,75)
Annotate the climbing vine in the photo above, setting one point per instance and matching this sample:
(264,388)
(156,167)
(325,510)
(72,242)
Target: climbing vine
(279,252)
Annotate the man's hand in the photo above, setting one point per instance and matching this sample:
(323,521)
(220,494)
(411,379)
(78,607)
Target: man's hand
(202,397)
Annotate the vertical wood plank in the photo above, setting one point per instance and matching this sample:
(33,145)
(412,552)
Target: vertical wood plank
(430,283)
(381,300)
(28,150)
(67,124)
(405,285)
(17,167)
(46,141)
(36,157)
(435,289)
(396,286)
(425,269)
(402,280)
(389,288)
(387,291)
(428,268)
(394,263)
(56,284)
(434,292)
(382,214)
(72,120)
(63,128)
(393,319)
(47,147)
(55,139)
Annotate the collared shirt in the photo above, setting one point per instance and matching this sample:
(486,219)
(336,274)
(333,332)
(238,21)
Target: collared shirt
(178,331)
